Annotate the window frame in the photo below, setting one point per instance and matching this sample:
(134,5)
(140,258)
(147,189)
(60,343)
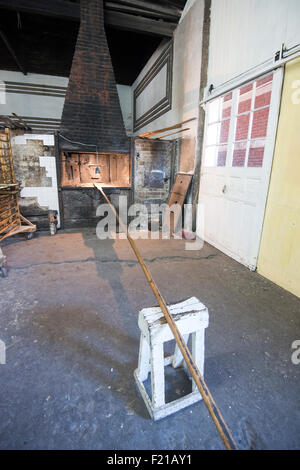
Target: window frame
(233,124)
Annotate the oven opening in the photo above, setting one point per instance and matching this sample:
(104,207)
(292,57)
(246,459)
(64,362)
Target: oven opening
(82,170)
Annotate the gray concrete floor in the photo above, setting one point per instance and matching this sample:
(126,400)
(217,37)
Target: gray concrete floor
(68,316)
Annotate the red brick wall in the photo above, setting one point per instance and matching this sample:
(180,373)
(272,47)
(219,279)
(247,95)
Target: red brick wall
(260,123)
(242,126)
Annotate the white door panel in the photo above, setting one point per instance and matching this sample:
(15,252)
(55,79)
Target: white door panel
(236,165)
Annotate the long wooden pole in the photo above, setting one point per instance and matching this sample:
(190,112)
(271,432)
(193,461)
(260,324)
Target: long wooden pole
(171,133)
(217,418)
(159,131)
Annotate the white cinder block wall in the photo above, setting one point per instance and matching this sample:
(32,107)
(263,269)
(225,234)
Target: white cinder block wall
(46,196)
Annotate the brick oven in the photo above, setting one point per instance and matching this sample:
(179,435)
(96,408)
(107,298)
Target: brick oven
(92,144)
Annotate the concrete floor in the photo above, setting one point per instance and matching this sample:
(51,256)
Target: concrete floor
(69,320)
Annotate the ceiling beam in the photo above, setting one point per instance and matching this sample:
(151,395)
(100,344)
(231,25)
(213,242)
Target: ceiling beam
(155,7)
(114,6)
(175,3)
(12,52)
(139,24)
(55,8)
(71,11)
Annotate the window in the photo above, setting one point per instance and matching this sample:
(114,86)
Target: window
(217,133)
(237,126)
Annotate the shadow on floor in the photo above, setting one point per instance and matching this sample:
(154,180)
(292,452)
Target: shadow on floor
(114,274)
(95,350)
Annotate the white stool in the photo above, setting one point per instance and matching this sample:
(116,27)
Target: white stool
(191,317)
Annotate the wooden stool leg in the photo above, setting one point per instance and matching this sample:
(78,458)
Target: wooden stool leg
(157,375)
(198,352)
(144,359)
(178,357)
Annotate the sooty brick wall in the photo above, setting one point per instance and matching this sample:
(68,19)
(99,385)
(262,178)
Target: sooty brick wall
(92,112)
(154,171)
(27,163)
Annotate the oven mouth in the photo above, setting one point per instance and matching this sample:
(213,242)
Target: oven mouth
(83,169)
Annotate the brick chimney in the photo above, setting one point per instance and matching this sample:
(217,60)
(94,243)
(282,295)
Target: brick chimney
(92,112)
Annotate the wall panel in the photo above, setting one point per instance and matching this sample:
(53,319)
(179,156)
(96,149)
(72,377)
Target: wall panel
(279,256)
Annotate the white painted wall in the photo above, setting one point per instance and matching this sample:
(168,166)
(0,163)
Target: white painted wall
(245,33)
(125,97)
(186,73)
(188,5)
(33,105)
(145,100)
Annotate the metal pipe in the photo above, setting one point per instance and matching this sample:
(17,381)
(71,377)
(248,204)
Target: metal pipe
(217,418)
